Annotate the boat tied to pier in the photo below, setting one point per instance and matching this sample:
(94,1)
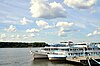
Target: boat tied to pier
(79,52)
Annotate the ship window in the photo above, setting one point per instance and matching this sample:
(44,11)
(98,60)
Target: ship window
(54,49)
(68,53)
(81,49)
(63,49)
(70,49)
(46,49)
(67,49)
(74,49)
(89,48)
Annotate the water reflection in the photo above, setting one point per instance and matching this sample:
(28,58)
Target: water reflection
(45,62)
(22,57)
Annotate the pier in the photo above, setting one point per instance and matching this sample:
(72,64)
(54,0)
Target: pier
(85,60)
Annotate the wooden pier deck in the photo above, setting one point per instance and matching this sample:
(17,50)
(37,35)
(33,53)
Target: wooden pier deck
(78,59)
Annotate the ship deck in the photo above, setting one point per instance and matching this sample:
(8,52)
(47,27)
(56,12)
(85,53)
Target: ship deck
(77,59)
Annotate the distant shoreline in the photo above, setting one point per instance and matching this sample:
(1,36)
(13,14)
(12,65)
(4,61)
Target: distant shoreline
(21,45)
(25,45)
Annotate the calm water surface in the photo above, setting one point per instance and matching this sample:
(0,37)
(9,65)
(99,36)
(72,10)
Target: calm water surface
(22,57)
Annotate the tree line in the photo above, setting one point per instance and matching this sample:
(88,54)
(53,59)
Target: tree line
(21,44)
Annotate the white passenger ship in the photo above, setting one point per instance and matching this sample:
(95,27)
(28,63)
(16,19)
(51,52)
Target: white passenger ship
(43,52)
(70,52)
(78,50)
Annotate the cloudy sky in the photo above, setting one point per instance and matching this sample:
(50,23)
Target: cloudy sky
(51,21)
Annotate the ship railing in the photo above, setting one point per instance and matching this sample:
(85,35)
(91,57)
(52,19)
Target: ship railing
(92,51)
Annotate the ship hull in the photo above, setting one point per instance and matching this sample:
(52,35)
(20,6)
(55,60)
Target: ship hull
(40,56)
(56,57)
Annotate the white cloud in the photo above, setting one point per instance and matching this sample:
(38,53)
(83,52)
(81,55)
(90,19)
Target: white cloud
(18,36)
(64,31)
(80,4)
(33,30)
(44,9)
(98,28)
(3,36)
(61,32)
(90,34)
(25,36)
(98,33)
(11,28)
(28,36)
(43,24)
(12,36)
(32,35)
(48,27)
(64,24)
(24,21)
(94,33)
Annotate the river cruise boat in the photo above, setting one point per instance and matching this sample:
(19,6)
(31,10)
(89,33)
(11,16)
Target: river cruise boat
(78,52)
(81,53)
(42,53)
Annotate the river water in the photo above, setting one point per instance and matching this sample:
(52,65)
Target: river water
(22,57)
